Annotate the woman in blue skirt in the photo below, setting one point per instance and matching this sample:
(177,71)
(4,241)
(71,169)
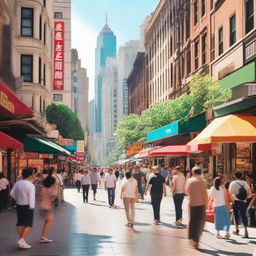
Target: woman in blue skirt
(218,194)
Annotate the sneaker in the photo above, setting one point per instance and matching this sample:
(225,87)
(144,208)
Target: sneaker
(236,232)
(23,244)
(20,242)
(45,240)
(156,222)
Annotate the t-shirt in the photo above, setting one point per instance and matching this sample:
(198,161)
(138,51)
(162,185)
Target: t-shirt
(130,187)
(85,180)
(157,182)
(164,173)
(197,189)
(179,184)
(218,196)
(234,188)
(94,177)
(110,180)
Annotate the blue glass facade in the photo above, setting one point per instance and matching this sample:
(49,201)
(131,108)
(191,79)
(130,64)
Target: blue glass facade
(106,47)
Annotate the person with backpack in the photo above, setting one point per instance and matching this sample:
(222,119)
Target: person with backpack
(240,191)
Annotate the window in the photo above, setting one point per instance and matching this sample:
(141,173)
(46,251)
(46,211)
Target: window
(44,74)
(58,15)
(204,49)
(44,3)
(249,15)
(188,61)
(188,24)
(212,5)
(195,12)
(40,104)
(27,17)
(212,48)
(45,33)
(27,67)
(203,8)
(232,30)
(57,97)
(40,27)
(220,40)
(39,70)
(196,54)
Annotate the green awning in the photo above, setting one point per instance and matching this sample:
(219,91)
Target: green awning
(195,124)
(33,144)
(235,106)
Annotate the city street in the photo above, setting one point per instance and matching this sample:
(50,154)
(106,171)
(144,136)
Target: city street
(95,229)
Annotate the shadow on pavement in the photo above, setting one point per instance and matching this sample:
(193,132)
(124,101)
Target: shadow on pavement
(141,224)
(168,225)
(220,252)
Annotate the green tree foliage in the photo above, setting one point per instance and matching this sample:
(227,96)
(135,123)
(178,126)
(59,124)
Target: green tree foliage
(204,93)
(67,122)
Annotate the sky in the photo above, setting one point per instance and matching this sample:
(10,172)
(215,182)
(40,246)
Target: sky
(89,17)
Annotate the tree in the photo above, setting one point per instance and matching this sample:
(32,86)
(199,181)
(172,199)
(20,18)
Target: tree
(67,122)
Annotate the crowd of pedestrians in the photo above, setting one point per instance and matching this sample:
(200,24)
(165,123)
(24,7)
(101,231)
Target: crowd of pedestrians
(48,185)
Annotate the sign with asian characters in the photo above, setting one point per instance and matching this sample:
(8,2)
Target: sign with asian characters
(6,103)
(80,146)
(58,80)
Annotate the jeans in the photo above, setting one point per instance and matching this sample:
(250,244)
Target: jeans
(85,192)
(111,196)
(178,200)
(156,201)
(239,208)
(78,185)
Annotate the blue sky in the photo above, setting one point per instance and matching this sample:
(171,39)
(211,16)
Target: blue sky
(88,18)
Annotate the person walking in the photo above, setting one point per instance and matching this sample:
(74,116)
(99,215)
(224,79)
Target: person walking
(218,195)
(85,182)
(77,179)
(56,186)
(137,174)
(4,192)
(46,207)
(196,189)
(178,192)
(239,191)
(95,180)
(164,172)
(157,188)
(129,194)
(61,181)
(110,186)
(23,192)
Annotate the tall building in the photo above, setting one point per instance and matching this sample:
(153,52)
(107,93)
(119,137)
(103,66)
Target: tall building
(91,117)
(106,47)
(109,107)
(80,88)
(126,57)
(62,52)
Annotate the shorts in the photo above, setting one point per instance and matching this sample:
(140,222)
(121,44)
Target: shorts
(24,216)
(46,214)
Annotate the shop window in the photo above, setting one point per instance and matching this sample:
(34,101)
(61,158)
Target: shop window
(249,15)
(221,49)
(232,30)
(243,157)
(27,67)
(58,15)
(27,18)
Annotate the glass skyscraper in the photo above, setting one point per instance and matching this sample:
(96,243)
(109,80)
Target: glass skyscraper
(106,47)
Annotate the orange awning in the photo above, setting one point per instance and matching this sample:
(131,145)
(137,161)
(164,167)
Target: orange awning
(178,150)
(228,129)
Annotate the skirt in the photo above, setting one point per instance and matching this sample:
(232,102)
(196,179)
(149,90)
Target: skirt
(222,218)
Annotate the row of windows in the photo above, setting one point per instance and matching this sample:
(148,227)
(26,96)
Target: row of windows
(26,64)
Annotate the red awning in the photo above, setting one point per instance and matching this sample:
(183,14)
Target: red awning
(145,152)
(180,150)
(7,141)
(199,148)
(11,104)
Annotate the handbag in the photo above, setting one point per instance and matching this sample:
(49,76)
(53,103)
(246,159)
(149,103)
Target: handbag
(210,213)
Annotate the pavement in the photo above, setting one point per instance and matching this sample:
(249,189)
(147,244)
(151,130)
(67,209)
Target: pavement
(95,229)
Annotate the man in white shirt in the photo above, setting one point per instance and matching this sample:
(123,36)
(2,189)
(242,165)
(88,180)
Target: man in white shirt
(110,185)
(85,182)
(23,192)
(240,191)
(78,176)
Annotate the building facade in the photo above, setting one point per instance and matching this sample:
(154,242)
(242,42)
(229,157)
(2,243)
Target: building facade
(80,88)
(137,84)
(109,107)
(62,13)
(126,57)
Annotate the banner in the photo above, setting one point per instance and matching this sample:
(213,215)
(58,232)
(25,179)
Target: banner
(80,146)
(58,82)
(133,149)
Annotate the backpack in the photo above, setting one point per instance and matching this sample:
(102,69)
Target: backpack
(242,194)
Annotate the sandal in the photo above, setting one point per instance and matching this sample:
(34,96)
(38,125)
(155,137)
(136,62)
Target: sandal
(45,240)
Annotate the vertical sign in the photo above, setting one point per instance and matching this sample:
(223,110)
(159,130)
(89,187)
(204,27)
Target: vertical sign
(58,82)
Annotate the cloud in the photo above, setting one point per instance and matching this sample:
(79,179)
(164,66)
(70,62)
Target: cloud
(84,40)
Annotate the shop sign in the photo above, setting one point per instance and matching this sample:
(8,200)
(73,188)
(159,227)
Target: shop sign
(47,156)
(29,155)
(134,149)
(66,142)
(58,82)
(6,103)
(36,163)
(80,156)
(80,146)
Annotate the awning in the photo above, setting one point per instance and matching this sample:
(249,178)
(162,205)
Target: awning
(7,141)
(33,144)
(180,150)
(11,104)
(197,148)
(228,129)
(70,148)
(145,152)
